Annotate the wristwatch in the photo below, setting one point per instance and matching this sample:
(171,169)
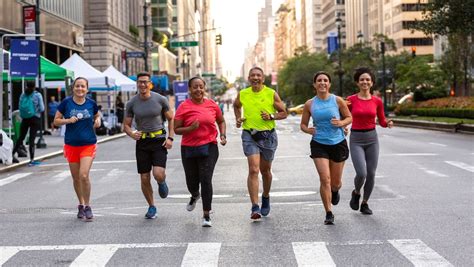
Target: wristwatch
(272,117)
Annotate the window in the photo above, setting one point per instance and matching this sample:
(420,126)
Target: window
(413,7)
(417,41)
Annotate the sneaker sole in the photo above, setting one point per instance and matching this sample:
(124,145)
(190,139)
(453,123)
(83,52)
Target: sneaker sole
(255,216)
(149,218)
(328,223)
(265,214)
(207,225)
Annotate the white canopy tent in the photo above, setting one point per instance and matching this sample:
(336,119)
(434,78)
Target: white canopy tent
(124,83)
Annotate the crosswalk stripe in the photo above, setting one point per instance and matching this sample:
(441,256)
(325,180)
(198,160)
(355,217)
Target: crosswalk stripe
(6,253)
(202,254)
(59,177)
(461,165)
(312,254)
(418,253)
(96,255)
(13,178)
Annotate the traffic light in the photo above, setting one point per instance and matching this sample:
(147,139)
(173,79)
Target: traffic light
(413,51)
(218,39)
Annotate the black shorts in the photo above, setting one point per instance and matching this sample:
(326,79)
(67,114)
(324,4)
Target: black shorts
(150,152)
(337,153)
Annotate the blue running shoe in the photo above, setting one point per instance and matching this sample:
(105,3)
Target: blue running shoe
(88,213)
(256,214)
(34,163)
(265,205)
(80,211)
(163,189)
(151,213)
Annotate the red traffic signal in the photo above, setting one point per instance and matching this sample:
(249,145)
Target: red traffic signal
(218,39)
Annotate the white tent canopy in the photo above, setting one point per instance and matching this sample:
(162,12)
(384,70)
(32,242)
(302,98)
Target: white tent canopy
(123,82)
(97,80)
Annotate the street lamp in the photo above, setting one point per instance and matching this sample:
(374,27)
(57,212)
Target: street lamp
(145,38)
(360,37)
(340,71)
(384,86)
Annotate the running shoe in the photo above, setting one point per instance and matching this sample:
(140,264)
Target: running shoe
(163,189)
(88,213)
(256,213)
(335,197)
(34,163)
(151,213)
(329,218)
(354,200)
(80,212)
(364,208)
(192,203)
(265,205)
(206,221)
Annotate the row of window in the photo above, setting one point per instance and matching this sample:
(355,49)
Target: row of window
(417,41)
(404,25)
(71,10)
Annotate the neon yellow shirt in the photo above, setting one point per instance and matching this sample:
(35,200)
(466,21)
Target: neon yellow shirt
(253,103)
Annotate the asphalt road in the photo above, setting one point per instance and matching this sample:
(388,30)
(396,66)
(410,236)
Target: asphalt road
(422,203)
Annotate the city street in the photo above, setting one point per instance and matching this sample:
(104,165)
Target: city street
(422,204)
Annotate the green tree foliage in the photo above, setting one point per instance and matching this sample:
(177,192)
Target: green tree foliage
(295,80)
(424,80)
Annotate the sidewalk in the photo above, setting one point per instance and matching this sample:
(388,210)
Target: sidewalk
(54,147)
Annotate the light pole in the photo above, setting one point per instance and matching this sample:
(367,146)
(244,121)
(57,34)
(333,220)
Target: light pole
(384,86)
(145,32)
(340,71)
(41,143)
(360,37)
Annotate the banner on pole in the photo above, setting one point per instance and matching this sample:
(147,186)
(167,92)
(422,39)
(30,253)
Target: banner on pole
(24,56)
(180,92)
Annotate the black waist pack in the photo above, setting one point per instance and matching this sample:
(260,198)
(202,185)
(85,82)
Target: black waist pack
(196,151)
(260,135)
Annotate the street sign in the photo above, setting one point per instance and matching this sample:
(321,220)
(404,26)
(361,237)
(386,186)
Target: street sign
(180,89)
(150,44)
(29,21)
(24,58)
(184,44)
(208,75)
(135,54)
(332,42)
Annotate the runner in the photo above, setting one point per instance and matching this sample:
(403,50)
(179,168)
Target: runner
(150,109)
(80,116)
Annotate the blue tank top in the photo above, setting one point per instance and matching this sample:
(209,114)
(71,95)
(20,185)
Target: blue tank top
(322,111)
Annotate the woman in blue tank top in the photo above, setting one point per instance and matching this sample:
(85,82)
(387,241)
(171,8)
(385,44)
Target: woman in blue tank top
(328,144)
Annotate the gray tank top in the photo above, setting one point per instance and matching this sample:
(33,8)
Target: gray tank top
(148,113)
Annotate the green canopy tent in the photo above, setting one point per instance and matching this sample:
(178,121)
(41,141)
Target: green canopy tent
(52,72)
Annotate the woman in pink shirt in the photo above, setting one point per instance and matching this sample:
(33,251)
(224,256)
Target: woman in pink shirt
(364,143)
(196,120)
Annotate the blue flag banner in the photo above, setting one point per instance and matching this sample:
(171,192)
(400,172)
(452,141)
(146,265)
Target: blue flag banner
(332,42)
(24,56)
(180,91)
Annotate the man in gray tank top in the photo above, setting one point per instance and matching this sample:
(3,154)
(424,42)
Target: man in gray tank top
(149,110)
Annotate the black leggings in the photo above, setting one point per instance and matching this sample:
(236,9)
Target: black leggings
(199,171)
(33,124)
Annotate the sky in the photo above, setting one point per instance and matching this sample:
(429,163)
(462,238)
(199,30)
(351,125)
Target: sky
(237,21)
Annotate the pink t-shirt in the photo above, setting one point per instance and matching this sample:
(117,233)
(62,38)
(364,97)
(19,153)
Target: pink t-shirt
(206,113)
(364,112)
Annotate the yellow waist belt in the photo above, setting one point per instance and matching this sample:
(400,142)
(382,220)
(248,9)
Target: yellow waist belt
(153,134)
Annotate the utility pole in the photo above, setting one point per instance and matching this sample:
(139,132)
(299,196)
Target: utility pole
(145,38)
(384,86)
(41,143)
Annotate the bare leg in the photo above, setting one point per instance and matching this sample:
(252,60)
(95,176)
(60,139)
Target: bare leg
(252,179)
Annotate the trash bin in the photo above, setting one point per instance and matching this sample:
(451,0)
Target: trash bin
(16,121)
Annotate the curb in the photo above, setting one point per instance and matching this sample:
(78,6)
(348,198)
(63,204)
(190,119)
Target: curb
(437,126)
(56,153)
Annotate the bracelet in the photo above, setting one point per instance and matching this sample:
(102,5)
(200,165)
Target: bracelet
(170,138)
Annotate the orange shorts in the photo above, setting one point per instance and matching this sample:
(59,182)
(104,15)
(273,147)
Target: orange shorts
(74,154)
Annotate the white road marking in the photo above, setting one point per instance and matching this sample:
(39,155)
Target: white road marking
(95,255)
(418,253)
(202,254)
(431,172)
(125,214)
(186,196)
(59,177)
(291,193)
(438,144)
(461,165)
(6,253)
(312,254)
(13,178)
(413,154)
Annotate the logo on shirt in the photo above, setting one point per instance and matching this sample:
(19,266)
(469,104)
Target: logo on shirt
(80,113)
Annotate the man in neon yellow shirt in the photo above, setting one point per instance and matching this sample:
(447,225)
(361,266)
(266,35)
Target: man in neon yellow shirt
(261,107)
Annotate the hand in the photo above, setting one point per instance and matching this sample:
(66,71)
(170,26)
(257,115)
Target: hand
(223,140)
(168,144)
(348,102)
(265,116)
(346,131)
(136,135)
(336,122)
(73,119)
(239,122)
(311,130)
(389,123)
(97,123)
(194,125)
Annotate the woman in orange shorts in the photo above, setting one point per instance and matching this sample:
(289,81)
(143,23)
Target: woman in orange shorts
(80,116)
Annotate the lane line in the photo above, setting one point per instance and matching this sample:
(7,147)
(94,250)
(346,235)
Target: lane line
(59,177)
(413,154)
(13,178)
(6,253)
(312,254)
(202,254)
(461,165)
(418,253)
(438,144)
(95,255)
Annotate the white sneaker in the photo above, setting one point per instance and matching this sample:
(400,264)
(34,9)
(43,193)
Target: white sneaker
(206,222)
(192,203)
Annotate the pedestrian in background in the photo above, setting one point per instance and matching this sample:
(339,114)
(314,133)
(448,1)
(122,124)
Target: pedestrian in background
(31,106)
(52,108)
(364,143)
(149,109)
(262,106)
(80,116)
(328,145)
(196,120)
